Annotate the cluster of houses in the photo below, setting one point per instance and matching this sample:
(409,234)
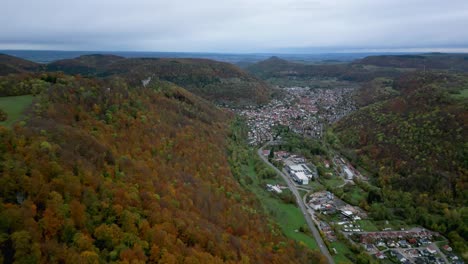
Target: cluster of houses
(335,103)
(326,203)
(323,202)
(303,110)
(327,231)
(416,245)
(415,237)
(418,256)
(413,246)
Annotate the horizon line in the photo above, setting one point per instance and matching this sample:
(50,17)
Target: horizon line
(318,52)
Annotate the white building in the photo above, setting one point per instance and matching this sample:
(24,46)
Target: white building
(274,188)
(297,168)
(300,177)
(347,213)
(348,172)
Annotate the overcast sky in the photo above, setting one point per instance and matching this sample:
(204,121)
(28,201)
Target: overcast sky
(234,25)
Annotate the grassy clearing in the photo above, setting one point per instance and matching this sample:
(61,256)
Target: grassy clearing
(463,94)
(290,219)
(342,250)
(392,224)
(14,106)
(368,225)
(288,216)
(332,182)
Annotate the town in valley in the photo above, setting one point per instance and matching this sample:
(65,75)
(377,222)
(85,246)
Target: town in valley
(307,112)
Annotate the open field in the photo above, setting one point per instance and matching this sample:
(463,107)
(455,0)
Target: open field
(341,249)
(14,106)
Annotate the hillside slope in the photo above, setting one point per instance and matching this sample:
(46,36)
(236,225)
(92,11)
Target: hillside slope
(10,64)
(217,81)
(101,172)
(415,131)
(415,142)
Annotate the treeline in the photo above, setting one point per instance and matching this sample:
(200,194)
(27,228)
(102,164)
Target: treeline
(26,83)
(103,172)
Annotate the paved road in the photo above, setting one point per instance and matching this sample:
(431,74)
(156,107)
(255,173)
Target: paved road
(323,248)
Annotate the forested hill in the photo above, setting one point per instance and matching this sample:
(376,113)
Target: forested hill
(10,64)
(100,172)
(275,68)
(418,132)
(415,140)
(217,81)
(273,65)
(437,61)
(86,65)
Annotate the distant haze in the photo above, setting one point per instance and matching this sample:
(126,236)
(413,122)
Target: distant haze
(290,26)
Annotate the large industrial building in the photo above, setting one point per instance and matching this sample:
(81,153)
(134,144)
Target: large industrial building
(301,173)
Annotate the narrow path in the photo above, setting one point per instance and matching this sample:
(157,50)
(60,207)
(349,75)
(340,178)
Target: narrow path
(323,248)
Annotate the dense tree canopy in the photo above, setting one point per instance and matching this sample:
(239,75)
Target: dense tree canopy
(103,172)
(414,141)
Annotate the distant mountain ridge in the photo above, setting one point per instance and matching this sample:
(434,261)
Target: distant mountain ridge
(361,70)
(437,61)
(85,65)
(279,68)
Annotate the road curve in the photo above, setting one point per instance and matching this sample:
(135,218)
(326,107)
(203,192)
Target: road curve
(323,248)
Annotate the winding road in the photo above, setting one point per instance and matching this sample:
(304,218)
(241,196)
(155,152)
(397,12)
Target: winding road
(323,248)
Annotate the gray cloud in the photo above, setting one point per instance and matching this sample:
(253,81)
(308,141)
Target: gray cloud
(233,25)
